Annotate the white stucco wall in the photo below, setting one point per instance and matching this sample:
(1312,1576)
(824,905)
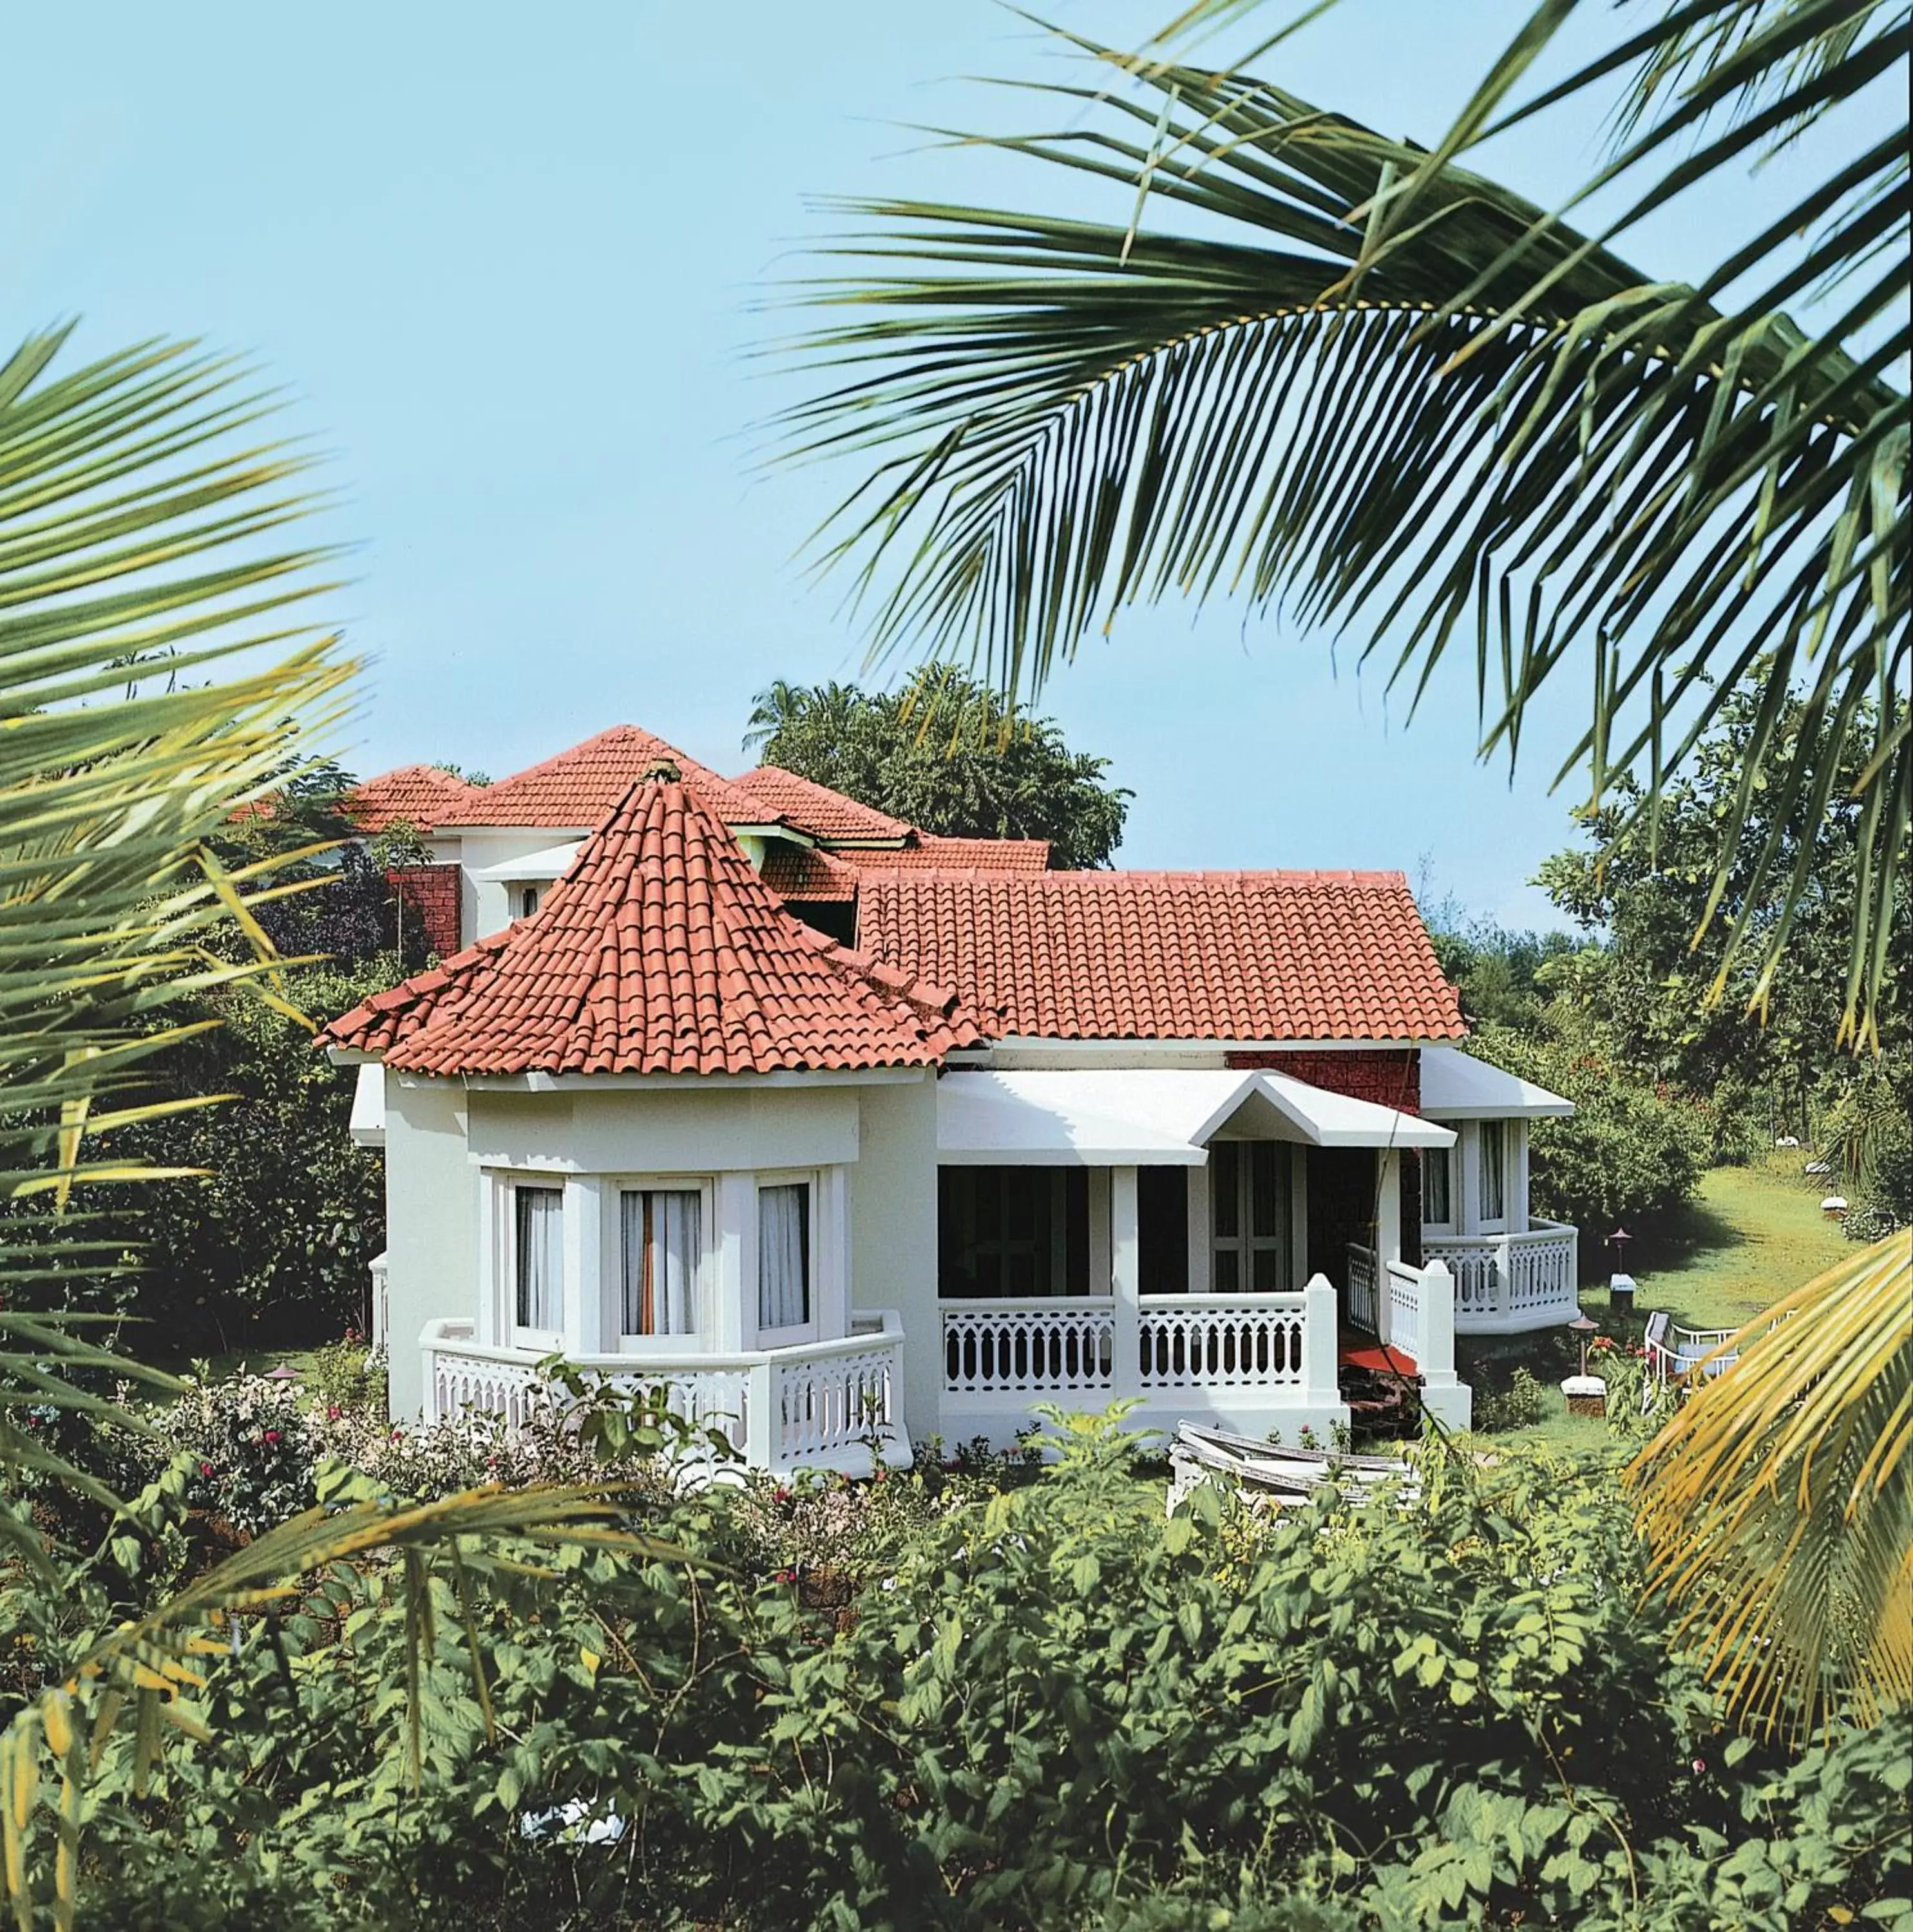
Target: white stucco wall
(431,1224)
(892,1223)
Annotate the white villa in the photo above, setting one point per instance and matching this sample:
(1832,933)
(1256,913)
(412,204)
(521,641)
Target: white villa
(851,1135)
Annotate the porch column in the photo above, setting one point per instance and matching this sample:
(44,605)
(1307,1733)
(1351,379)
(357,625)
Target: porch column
(1446,1397)
(1320,1384)
(1388,1211)
(1200,1251)
(1298,1213)
(1125,1281)
(1518,1222)
(1467,1167)
(734,1263)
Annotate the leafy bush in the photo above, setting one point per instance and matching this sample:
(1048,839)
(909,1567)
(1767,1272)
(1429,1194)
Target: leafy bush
(272,1247)
(1051,1708)
(1520,1405)
(1629,1150)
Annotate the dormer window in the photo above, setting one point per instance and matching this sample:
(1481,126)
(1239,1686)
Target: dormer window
(527,898)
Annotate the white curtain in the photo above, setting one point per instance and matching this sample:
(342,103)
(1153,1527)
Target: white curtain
(541,1246)
(1434,1179)
(663,1235)
(783,1256)
(1493,1190)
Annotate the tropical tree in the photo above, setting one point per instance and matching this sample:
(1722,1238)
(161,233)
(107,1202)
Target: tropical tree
(155,676)
(944,754)
(1309,363)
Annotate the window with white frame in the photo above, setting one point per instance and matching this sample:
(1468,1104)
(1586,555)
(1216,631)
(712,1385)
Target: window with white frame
(1248,1194)
(661,1253)
(1494,1173)
(525,900)
(537,1260)
(1437,1189)
(785,1302)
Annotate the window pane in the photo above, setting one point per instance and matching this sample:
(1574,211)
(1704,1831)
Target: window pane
(662,1232)
(783,1255)
(1493,1148)
(540,1216)
(1267,1268)
(1266,1215)
(1228,1271)
(1434,1186)
(1225,1170)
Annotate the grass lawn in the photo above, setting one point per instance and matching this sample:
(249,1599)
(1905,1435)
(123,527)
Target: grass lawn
(1752,1234)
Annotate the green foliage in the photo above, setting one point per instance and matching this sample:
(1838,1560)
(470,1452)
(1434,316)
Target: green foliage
(1520,1405)
(1501,975)
(944,754)
(1629,1149)
(1768,1047)
(271,1246)
(1050,1708)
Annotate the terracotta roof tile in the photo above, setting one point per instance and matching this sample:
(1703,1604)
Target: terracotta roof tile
(420,795)
(660,951)
(816,808)
(933,852)
(802,872)
(1168,955)
(579,787)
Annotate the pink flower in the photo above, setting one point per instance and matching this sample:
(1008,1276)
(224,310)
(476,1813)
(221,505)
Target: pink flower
(333,1412)
(270,1435)
(1700,1766)
(785,1577)
(205,1468)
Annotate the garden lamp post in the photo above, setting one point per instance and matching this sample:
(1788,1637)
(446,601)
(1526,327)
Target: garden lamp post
(1586,1395)
(1620,1283)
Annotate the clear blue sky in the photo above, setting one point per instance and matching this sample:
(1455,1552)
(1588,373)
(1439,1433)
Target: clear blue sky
(506,260)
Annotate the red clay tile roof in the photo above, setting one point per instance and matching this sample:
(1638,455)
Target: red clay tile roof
(816,808)
(419,794)
(660,951)
(933,852)
(1168,955)
(580,787)
(802,872)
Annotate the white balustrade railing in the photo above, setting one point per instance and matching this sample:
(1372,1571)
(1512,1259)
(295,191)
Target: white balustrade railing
(1406,1327)
(1038,1345)
(1221,1341)
(817,1402)
(1359,1304)
(1511,1282)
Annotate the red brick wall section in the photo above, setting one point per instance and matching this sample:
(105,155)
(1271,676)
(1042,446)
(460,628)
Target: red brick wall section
(1389,1076)
(430,893)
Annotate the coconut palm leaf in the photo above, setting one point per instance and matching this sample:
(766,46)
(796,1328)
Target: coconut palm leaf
(1339,371)
(1778,1503)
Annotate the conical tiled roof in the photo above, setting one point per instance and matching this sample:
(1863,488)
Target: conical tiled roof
(660,951)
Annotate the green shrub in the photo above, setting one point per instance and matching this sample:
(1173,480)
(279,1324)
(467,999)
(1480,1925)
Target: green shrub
(1630,1149)
(1520,1405)
(1054,1709)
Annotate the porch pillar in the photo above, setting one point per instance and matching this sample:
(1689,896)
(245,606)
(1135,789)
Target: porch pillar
(1125,1282)
(1445,1397)
(1388,1211)
(1518,1222)
(1320,1385)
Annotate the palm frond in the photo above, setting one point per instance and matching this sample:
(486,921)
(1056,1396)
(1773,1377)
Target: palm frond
(1778,1502)
(1341,373)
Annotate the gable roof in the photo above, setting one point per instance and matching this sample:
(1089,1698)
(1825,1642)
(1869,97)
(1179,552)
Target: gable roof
(420,795)
(660,951)
(816,808)
(579,787)
(1168,955)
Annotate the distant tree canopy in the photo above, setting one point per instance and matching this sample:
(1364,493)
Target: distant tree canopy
(945,755)
(1651,983)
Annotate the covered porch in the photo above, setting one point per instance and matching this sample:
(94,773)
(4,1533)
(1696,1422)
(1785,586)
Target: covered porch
(1180,1236)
